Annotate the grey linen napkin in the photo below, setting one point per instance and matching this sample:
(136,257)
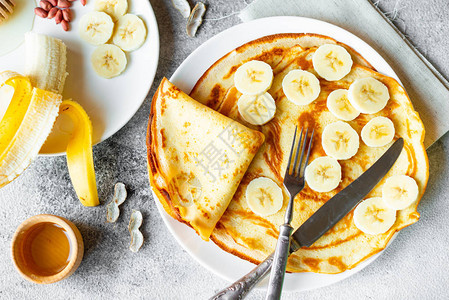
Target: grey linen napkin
(428,89)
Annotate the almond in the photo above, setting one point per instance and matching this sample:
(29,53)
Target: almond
(40,12)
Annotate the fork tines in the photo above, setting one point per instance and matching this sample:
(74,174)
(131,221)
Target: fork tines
(295,168)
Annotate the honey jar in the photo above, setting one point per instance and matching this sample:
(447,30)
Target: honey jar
(47,248)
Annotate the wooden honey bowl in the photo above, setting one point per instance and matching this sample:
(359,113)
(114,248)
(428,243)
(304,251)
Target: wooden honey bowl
(47,248)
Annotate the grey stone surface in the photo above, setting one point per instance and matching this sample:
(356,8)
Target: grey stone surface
(413,267)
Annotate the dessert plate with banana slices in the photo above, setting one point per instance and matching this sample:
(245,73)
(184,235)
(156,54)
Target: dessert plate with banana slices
(271,75)
(109,72)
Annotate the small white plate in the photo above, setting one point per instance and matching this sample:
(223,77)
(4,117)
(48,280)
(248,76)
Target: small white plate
(110,103)
(208,254)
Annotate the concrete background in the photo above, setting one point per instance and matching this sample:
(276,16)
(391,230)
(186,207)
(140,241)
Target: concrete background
(413,267)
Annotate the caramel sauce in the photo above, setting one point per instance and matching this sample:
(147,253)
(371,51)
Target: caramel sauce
(215,96)
(312,263)
(337,261)
(229,102)
(412,167)
(45,249)
(273,155)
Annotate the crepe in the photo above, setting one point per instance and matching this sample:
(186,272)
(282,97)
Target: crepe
(196,157)
(251,237)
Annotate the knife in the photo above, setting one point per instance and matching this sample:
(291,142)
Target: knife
(321,221)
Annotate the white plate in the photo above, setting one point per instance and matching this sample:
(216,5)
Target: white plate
(208,254)
(110,103)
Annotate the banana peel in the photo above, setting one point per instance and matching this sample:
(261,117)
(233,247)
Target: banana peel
(18,106)
(28,121)
(25,126)
(79,154)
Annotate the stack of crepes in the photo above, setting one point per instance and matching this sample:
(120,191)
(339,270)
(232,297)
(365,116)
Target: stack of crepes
(180,131)
(30,108)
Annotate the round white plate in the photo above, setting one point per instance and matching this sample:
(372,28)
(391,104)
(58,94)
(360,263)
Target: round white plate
(208,254)
(110,103)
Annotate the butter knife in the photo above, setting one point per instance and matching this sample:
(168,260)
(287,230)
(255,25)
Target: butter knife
(321,221)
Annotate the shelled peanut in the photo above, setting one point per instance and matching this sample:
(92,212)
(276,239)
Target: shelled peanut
(57,9)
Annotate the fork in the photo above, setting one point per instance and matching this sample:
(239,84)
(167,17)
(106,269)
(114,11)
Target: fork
(294,183)
(6,8)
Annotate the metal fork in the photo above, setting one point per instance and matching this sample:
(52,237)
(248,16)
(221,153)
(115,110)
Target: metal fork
(294,183)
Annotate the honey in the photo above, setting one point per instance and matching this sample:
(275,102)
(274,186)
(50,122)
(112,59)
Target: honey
(45,249)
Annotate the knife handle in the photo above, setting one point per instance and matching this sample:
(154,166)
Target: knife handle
(241,287)
(279,263)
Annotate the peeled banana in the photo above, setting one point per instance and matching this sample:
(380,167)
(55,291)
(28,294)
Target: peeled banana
(253,78)
(79,154)
(25,133)
(45,62)
(32,111)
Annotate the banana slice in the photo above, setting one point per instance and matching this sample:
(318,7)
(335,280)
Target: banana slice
(301,87)
(399,191)
(332,62)
(368,95)
(108,61)
(258,109)
(31,134)
(339,105)
(339,140)
(323,174)
(264,196)
(130,32)
(114,8)
(373,217)
(96,27)
(253,78)
(378,132)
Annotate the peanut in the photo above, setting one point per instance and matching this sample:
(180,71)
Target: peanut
(45,5)
(58,17)
(40,12)
(52,12)
(65,25)
(53,2)
(64,4)
(67,14)
(83,2)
